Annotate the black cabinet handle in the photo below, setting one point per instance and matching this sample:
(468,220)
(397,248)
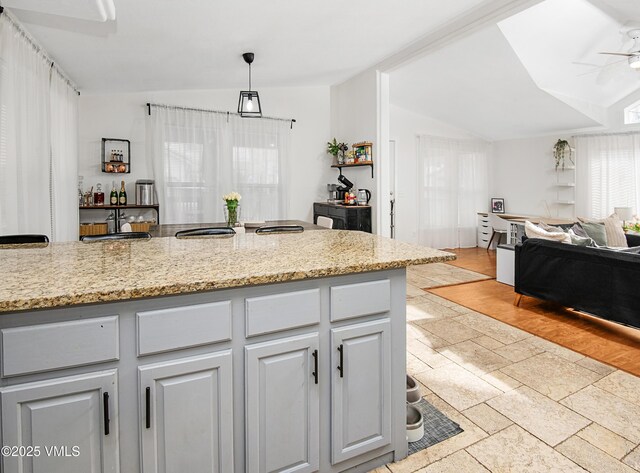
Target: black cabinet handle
(147,408)
(315,365)
(340,366)
(105,411)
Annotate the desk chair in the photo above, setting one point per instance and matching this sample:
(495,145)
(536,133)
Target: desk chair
(267,229)
(209,231)
(500,227)
(325,222)
(116,236)
(20,239)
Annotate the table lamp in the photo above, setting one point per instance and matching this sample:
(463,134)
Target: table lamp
(623,213)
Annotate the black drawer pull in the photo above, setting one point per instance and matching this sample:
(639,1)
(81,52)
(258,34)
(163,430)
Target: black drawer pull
(315,365)
(340,366)
(105,411)
(147,408)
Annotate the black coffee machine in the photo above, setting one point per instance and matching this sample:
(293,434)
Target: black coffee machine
(346,186)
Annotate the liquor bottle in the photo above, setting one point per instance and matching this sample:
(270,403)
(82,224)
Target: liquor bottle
(113,197)
(122,197)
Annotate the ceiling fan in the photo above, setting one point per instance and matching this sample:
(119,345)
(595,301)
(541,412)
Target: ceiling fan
(634,53)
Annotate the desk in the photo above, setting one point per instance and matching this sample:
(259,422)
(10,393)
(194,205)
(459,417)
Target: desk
(171,229)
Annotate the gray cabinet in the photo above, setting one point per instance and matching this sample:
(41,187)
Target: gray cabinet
(361,389)
(282,405)
(186,415)
(71,421)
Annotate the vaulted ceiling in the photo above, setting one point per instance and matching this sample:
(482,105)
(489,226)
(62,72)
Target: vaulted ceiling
(534,73)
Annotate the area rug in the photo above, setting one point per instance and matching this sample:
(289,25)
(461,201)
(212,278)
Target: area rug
(437,427)
(604,341)
(440,274)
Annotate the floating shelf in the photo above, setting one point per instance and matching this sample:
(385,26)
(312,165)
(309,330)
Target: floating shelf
(354,165)
(565,202)
(567,184)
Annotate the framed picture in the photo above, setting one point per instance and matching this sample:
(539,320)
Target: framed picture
(497,206)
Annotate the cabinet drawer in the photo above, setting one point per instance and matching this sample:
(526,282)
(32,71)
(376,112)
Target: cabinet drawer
(282,311)
(59,345)
(355,300)
(183,327)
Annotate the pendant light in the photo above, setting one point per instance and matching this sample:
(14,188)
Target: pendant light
(249,102)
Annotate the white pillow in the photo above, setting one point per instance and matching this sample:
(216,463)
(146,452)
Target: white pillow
(534,231)
(613,228)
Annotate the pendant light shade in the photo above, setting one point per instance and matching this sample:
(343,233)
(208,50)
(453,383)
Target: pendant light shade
(249,102)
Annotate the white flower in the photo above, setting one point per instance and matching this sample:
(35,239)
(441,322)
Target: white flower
(231,196)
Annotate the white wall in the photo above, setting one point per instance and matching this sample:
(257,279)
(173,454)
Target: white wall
(123,116)
(405,126)
(354,118)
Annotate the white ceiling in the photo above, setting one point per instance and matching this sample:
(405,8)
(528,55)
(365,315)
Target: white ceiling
(95,10)
(196,44)
(535,73)
(478,84)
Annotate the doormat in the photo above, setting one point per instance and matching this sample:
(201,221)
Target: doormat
(437,427)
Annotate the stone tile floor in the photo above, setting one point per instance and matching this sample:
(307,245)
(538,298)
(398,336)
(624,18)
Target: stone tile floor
(525,404)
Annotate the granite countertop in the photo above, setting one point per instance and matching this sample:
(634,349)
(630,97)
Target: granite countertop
(70,273)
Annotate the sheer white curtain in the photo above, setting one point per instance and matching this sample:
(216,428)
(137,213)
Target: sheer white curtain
(64,159)
(198,156)
(38,141)
(607,173)
(453,187)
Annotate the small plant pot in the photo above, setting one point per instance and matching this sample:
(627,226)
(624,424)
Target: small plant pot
(413,390)
(415,424)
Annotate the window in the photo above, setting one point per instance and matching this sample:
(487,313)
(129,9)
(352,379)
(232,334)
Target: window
(632,114)
(256,171)
(184,178)
(607,173)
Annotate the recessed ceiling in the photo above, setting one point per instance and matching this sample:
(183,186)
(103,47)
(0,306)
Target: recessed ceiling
(479,84)
(197,44)
(535,73)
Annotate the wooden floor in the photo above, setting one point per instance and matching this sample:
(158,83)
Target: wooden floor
(475,259)
(608,342)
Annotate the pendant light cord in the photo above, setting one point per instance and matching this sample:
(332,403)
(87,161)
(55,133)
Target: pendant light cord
(249,77)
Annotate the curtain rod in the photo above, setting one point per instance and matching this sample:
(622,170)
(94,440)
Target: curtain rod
(621,133)
(175,107)
(37,48)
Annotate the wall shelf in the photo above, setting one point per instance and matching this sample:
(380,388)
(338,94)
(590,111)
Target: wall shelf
(119,208)
(354,165)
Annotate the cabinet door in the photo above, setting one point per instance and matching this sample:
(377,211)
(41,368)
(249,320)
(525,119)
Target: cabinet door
(186,415)
(282,405)
(360,390)
(72,420)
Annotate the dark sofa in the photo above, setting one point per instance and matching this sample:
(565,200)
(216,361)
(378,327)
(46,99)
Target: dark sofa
(599,281)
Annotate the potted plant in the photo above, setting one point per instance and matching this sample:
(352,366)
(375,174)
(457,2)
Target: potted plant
(562,150)
(337,150)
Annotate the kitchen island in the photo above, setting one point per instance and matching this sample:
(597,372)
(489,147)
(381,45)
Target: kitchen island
(254,353)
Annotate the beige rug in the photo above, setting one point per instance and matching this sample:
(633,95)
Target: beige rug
(428,276)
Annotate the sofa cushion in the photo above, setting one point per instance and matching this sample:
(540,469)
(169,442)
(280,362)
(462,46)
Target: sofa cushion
(596,231)
(534,231)
(580,240)
(613,230)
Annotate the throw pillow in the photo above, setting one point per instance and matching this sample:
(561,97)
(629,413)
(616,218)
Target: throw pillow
(596,231)
(549,228)
(534,231)
(613,228)
(578,230)
(579,240)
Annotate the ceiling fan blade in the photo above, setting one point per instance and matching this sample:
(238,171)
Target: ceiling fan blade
(597,68)
(619,54)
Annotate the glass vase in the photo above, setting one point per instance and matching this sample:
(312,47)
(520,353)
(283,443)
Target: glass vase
(232,215)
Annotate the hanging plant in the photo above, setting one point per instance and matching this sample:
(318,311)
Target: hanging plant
(562,150)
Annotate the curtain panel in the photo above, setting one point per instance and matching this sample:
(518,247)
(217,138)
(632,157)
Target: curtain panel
(607,173)
(38,142)
(198,156)
(453,188)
